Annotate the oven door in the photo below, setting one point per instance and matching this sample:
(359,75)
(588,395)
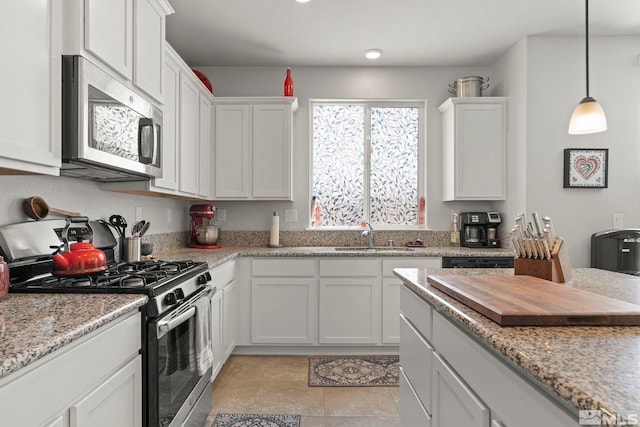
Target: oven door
(176,394)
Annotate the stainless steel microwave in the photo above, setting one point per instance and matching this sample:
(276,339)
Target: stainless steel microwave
(109,132)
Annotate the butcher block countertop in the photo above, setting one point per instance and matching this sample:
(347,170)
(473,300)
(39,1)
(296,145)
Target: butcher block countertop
(582,367)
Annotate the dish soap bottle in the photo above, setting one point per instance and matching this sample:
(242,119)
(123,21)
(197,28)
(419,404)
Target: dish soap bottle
(455,229)
(315,213)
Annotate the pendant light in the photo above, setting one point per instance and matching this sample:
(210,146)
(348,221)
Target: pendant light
(588,116)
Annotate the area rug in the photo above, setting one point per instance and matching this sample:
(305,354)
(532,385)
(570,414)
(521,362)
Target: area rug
(353,371)
(256,420)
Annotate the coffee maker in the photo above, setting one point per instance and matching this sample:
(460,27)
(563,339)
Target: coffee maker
(204,232)
(479,229)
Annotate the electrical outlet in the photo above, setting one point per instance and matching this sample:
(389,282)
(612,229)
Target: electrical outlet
(169,215)
(138,213)
(617,220)
(290,215)
(222,215)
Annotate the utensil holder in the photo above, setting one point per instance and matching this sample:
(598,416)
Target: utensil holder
(130,249)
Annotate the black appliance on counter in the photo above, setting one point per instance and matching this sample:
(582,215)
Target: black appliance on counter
(477,262)
(172,396)
(479,229)
(616,250)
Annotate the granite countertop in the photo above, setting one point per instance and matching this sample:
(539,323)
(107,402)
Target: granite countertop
(581,367)
(34,325)
(218,256)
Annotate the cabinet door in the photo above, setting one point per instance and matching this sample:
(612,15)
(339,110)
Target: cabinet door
(391,311)
(30,119)
(474,149)
(189,130)
(108,33)
(117,402)
(272,152)
(230,315)
(412,413)
(149,31)
(232,133)
(349,311)
(283,310)
(205,158)
(216,332)
(454,404)
(170,136)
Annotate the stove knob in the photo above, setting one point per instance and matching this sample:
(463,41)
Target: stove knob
(170,299)
(204,278)
(179,293)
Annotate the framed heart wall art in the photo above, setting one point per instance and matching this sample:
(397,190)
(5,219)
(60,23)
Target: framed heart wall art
(586,167)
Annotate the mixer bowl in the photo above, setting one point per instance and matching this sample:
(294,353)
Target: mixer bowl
(207,234)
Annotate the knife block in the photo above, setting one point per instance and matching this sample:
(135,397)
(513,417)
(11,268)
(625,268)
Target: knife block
(542,268)
(557,269)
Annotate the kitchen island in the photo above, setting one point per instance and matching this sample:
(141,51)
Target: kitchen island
(573,368)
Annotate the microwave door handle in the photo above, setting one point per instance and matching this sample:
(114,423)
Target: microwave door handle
(164,326)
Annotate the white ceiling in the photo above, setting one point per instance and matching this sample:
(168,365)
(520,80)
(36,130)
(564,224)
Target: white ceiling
(410,32)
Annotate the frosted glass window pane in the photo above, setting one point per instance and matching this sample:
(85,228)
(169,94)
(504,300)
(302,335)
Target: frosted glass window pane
(394,165)
(338,163)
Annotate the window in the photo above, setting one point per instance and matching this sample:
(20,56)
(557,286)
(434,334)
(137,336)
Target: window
(368,162)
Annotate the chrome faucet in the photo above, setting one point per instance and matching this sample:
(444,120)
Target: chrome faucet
(369,234)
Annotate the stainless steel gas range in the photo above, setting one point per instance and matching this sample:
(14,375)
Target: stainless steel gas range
(176,389)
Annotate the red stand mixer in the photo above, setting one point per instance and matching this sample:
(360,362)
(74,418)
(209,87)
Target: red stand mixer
(204,232)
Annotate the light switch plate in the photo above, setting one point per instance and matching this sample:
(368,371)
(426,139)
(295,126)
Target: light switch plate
(290,215)
(138,214)
(617,220)
(222,215)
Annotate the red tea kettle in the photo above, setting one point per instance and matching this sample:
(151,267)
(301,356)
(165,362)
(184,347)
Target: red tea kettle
(79,258)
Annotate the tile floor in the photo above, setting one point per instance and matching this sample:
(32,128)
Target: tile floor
(278,385)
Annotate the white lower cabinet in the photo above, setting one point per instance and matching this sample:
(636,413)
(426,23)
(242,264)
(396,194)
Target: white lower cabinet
(412,413)
(467,385)
(283,301)
(349,311)
(224,313)
(95,381)
(349,301)
(454,404)
(117,402)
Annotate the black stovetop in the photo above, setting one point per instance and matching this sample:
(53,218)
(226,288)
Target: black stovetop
(144,277)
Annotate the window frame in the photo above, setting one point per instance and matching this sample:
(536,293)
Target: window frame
(421,104)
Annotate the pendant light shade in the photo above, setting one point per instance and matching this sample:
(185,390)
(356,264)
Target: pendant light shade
(588,117)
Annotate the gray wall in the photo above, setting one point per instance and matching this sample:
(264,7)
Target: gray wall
(341,82)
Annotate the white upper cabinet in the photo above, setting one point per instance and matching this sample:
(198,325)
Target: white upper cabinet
(253,148)
(30,113)
(474,138)
(126,35)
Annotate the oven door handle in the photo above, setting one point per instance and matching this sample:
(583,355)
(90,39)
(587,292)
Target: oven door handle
(164,326)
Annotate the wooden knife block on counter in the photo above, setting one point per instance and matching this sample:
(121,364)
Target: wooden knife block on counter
(557,269)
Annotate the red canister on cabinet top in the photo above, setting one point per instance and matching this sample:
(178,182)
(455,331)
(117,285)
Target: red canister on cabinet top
(4,278)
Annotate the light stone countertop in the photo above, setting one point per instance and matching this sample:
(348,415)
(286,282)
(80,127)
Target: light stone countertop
(34,325)
(580,367)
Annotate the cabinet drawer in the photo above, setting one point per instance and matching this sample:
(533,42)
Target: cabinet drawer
(415,262)
(223,274)
(350,267)
(417,311)
(416,359)
(412,413)
(284,267)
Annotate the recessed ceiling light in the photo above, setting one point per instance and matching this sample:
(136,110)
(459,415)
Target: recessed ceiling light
(303,1)
(373,53)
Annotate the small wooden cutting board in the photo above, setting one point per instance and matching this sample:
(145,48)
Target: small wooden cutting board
(530,301)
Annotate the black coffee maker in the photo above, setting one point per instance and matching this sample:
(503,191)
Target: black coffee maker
(479,229)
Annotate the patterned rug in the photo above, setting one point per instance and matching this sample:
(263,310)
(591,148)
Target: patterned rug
(353,371)
(256,420)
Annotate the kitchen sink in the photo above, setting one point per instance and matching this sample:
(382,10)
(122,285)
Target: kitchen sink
(374,249)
